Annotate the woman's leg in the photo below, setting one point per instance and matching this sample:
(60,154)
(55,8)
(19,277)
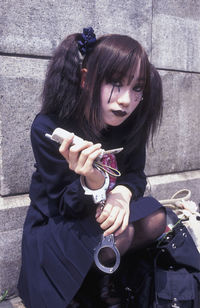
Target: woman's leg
(148,229)
(142,232)
(138,235)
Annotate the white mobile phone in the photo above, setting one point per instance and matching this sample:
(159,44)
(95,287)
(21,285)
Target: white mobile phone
(59,134)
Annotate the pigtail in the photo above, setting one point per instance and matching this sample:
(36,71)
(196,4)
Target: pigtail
(153,106)
(147,117)
(62,84)
(156,100)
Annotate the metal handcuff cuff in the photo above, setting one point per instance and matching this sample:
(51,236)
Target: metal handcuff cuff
(99,197)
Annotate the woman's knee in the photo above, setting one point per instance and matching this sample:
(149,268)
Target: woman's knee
(152,226)
(156,223)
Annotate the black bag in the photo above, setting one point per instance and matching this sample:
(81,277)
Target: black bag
(176,288)
(164,275)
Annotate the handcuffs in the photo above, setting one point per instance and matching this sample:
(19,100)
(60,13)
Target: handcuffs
(107,242)
(99,197)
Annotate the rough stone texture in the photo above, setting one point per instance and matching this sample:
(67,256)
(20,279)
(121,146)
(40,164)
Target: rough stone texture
(175,35)
(10,260)
(12,212)
(21,80)
(12,215)
(129,17)
(36,27)
(178,8)
(177,145)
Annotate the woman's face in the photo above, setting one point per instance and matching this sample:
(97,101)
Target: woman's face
(120,98)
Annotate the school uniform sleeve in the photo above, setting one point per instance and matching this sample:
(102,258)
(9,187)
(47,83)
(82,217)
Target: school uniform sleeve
(133,175)
(61,185)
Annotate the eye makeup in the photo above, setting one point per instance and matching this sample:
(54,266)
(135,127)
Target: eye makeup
(113,87)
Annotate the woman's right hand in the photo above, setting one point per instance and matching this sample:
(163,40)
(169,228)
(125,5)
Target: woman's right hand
(114,217)
(80,158)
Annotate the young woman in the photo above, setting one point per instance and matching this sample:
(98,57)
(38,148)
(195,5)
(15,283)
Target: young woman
(106,92)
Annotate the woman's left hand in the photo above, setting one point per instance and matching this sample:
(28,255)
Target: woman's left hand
(114,217)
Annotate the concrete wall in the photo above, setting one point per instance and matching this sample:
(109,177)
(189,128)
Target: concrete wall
(30,30)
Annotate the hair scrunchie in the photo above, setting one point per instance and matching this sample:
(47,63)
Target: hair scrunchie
(88,39)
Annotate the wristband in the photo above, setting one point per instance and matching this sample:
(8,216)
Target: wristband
(98,195)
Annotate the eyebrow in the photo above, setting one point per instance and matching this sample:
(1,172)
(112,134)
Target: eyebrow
(139,80)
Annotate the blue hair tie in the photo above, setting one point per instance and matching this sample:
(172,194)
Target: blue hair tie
(88,39)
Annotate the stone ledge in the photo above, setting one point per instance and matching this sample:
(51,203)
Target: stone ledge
(10,260)
(14,201)
(164,186)
(13,211)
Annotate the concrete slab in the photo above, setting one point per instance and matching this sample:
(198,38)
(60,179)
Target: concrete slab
(129,17)
(175,35)
(21,82)
(13,211)
(178,8)
(176,147)
(10,260)
(36,27)
(12,215)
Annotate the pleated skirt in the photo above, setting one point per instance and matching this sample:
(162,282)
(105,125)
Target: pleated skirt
(58,253)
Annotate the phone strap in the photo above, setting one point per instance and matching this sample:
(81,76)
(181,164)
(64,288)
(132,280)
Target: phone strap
(110,170)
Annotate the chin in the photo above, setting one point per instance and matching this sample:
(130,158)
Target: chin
(117,123)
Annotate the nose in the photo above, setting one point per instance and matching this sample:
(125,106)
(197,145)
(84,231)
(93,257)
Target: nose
(124,97)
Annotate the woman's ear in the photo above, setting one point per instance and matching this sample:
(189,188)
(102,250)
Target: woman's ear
(83,76)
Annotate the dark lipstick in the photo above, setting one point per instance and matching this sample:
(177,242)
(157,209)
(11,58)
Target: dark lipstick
(119,113)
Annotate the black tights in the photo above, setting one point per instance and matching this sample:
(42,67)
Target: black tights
(138,235)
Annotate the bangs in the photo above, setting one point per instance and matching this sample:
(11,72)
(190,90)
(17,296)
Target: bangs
(120,59)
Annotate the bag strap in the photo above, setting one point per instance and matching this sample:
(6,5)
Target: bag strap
(180,195)
(180,201)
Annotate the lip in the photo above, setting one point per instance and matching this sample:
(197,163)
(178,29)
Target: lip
(119,113)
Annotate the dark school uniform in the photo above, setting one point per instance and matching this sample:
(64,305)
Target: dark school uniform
(60,230)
